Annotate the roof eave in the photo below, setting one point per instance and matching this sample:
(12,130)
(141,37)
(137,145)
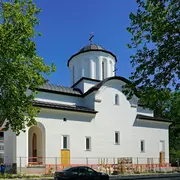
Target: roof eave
(153,119)
(64,109)
(100,50)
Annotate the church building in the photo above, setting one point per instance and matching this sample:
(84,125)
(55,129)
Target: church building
(91,119)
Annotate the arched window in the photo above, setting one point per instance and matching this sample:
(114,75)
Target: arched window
(34,147)
(111,68)
(116,99)
(34,143)
(103,69)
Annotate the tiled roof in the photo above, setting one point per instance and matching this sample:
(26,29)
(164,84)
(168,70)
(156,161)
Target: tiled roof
(91,47)
(140,116)
(59,89)
(77,92)
(63,107)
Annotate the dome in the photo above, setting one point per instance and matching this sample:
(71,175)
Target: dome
(91,47)
(91,62)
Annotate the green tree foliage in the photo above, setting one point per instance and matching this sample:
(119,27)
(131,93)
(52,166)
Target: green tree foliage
(170,110)
(21,68)
(155,30)
(173,112)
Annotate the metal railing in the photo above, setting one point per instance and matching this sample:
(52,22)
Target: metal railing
(110,165)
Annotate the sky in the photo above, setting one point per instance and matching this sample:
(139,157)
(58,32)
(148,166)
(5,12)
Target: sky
(66,26)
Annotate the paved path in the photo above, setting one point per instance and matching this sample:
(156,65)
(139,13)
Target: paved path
(175,176)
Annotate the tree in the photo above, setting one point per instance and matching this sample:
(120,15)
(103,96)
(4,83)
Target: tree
(21,69)
(171,111)
(155,30)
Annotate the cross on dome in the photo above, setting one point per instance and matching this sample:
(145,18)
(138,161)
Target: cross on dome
(91,37)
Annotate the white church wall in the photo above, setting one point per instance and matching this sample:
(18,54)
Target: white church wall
(99,68)
(151,133)
(89,100)
(113,118)
(59,98)
(89,84)
(22,149)
(76,70)
(15,148)
(86,67)
(76,126)
(9,147)
(89,64)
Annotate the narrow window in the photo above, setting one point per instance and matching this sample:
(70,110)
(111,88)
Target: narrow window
(117,137)
(103,70)
(1,136)
(111,68)
(116,99)
(162,146)
(88,143)
(65,142)
(142,146)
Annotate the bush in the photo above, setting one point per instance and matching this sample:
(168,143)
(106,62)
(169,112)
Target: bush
(175,157)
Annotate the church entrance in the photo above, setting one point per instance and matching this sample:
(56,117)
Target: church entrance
(34,146)
(36,142)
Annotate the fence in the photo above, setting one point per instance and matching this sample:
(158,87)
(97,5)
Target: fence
(110,165)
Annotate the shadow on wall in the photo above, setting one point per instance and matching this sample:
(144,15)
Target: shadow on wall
(58,98)
(150,124)
(66,116)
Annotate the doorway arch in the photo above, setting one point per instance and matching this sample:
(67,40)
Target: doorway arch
(36,145)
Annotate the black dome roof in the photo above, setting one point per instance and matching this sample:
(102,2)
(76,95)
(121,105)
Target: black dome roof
(91,47)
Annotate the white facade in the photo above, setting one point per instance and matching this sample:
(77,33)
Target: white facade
(100,116)
(90,65)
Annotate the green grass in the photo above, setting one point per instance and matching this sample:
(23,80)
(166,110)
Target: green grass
(14,176)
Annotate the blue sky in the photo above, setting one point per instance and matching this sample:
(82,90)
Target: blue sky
(67,24)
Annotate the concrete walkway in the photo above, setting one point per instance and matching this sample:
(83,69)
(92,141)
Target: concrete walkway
(169,176)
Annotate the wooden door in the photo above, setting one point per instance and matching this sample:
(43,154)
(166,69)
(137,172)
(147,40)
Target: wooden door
(34,147)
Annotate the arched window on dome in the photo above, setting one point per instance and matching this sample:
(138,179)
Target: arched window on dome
(111,68)
(103,70)
(116,99)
